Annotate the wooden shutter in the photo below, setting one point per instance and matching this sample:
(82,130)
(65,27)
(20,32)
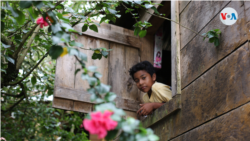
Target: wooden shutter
(70,90)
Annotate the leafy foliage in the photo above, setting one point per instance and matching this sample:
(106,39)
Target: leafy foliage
(213,36)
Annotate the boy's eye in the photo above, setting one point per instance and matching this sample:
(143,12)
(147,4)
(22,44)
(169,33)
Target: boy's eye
(143,78)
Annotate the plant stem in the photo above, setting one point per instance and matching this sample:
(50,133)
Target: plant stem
(15,83)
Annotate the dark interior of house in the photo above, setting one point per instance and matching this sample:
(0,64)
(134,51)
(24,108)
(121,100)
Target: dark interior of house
(164,74)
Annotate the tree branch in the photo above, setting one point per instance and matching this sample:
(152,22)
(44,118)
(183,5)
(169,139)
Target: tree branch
(5,39)
(23,93)
(19,29)
(23,53)
(26,36)
(81,19)
(17,82)
(129,11)
(59,2)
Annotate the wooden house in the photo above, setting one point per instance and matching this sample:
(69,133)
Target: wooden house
(210,85)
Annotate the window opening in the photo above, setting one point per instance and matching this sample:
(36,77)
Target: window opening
(163,72)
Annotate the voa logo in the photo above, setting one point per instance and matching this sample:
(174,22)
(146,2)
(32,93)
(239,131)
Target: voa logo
(228,16)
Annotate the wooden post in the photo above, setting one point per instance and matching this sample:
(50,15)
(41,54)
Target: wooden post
(175,49)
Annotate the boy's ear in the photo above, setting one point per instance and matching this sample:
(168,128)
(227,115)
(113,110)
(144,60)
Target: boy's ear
(154,77)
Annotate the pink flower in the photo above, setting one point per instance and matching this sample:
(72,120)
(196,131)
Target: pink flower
(2,138)
(99,123)
(42,22)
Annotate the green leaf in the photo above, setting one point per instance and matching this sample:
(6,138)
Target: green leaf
(111,134)
(153,138)
(211,40)
(204,34)
(138,2)
(112,11)
(56,28)
(97,74)
(93,27)
(73,43)
(5,46)
(103,19)
(137,30)
(55,51)
(216,30)
(14,13)
(3,14)
(143,33)
(98,6)
(110,96)
(111,17)
(10,59)
(92,68)
(156,11)
(25,4)
(60,6)
(216,42)
(85,27)
(38,4)
(76,71)
(96,56)
(148,6)
(21,18)
(210,34)
(2,70)
(102,88)
(73,51)
(33,80)
(92,81)
(33,13)
(105,54)
(2,26)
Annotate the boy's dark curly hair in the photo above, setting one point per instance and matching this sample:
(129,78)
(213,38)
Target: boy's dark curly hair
(145,65)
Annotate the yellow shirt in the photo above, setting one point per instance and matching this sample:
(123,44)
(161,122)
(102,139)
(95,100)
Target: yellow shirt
(160,93)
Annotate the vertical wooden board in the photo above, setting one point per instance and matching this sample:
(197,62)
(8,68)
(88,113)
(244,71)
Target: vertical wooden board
(199,55)
(233,126)
(247,10)
(147,49)
(175,50)
(183,5)
(130,89)
(65,68)
(83,107)
(224,87)
(63,103)
(117,69)
(196,15)
(79,83)
(102,65)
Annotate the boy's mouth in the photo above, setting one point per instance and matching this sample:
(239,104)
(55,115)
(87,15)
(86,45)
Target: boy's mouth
(143,88)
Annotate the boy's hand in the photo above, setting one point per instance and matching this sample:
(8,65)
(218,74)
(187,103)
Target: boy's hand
(146,109)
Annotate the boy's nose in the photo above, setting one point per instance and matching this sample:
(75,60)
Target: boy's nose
(140,82)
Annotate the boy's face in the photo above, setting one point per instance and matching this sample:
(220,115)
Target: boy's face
(144,81)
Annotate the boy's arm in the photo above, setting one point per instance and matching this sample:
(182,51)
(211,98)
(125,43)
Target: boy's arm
(148,108)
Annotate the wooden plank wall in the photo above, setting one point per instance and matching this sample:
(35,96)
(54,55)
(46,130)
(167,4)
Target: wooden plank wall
(215,80)
(127,50)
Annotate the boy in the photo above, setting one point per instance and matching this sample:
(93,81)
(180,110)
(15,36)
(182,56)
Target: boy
(155,93)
